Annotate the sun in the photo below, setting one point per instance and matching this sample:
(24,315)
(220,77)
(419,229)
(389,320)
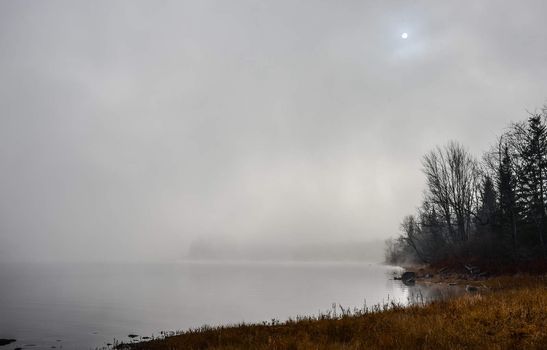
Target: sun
(404,35)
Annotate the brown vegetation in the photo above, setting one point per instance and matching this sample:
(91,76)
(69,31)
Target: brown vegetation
(509,312)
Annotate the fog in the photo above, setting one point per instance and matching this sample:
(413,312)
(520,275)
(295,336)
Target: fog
(134,130)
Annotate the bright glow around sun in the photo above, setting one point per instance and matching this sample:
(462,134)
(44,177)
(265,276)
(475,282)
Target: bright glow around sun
(404,35)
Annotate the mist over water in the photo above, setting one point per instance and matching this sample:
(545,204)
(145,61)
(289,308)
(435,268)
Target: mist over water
(87,305)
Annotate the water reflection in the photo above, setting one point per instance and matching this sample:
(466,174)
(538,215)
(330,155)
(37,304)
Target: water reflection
(422,293)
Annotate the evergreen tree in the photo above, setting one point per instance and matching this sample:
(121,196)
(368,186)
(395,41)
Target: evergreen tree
(533,153)
(507,200)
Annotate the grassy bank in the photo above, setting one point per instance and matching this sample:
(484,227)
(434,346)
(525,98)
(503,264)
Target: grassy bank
(508,312)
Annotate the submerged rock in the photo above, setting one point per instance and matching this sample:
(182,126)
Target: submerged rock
(408,277)
(6,341)
(409,282)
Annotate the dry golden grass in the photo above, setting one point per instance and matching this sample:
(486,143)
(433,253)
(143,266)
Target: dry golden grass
(510,313)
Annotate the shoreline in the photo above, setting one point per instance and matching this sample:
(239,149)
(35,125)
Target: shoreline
(499,311)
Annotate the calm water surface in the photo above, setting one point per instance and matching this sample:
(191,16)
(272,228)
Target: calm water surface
(84,306)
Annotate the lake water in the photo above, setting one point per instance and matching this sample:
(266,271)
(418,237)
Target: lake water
(84,306)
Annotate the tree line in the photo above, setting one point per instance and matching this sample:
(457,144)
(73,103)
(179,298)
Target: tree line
(492,207)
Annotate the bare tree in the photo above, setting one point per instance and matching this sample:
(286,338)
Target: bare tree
(453,178)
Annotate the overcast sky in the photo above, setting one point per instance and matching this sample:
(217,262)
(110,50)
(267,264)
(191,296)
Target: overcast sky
(129,129)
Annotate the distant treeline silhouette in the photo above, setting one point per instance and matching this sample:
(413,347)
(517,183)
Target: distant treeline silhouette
(492,208)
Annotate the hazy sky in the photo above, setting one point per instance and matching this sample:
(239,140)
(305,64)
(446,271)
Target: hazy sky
(129,129)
